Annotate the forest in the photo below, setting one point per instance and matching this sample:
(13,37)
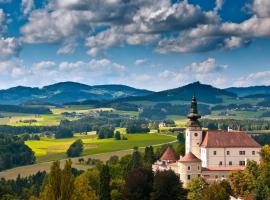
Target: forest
(131,178)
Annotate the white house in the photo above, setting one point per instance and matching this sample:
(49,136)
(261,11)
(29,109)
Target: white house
(211,155)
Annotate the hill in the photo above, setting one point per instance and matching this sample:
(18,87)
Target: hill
(206,94)
(64,92)
(247,91)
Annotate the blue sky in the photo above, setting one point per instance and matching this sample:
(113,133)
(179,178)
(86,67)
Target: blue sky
(142,43)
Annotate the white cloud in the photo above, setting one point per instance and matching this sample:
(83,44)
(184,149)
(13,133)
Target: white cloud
(261,8)
(205,67)
(9,47)
(256,78)
(140,61)
(27,6)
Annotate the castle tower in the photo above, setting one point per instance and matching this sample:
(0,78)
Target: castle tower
(194,130)
(189,167)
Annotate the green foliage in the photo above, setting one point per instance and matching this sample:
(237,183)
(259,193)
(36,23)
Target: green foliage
(13,152)
(136,160)
(137,126)
(246,125)
(21,188)
(63,132)
(82,189)
(104,187)
(25,109)
(215,191)
(167,186)
(181,137)
(180,150)
(105,132)
(261,192)
(149,157)
(117,135)
(195,188)
(75,149)
(138,184)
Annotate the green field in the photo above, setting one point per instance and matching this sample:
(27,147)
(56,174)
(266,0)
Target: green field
(52,149)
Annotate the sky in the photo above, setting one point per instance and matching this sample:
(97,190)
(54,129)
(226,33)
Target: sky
(150,44)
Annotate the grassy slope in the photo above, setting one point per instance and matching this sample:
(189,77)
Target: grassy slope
(98,149)
(53,149)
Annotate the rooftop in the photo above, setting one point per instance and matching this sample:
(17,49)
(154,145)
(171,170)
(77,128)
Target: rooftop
(222,168)
(169,155)
(222,139)
(190,157)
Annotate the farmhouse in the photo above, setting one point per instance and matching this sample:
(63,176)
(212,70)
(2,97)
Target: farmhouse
(212,154)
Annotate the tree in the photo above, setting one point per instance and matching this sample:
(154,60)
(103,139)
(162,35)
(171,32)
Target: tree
(104,188)
(136,159)
(13,152)
(167,186)
(180,149)
(149,156)
(117,135)
(195,188)
(75,149)
(105,132)
(138,184)
(67,182)
(63,132)
(82,189)
(215,191)
(181,138)
(261,192)
(52,188)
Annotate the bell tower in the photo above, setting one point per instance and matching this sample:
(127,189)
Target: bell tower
(194,130)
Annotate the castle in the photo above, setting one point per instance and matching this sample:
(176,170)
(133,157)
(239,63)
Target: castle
(212,154)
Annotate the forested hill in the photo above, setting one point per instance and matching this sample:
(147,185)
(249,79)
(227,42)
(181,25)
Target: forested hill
(64,92)
(207,94)
(247,91)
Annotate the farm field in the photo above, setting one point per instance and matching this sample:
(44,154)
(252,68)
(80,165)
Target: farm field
(52,149)
(48,150)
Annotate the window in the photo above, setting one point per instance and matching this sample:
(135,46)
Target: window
(198,167)
(195,134)
(216,176)
(228,152)
(188,168)
(215,152)
(199,175)
(242,152)
(242,163)
(220,163)
(253,152)
(188,177)
(230,163)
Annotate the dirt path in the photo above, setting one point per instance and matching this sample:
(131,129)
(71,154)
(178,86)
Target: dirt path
(28,170)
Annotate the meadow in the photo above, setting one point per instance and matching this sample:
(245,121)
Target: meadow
(48,149)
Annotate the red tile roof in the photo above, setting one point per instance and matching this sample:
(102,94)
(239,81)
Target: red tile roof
(169,155)
(222,139)
(222,168)
(190,157)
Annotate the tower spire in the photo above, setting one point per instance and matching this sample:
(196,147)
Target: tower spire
(193,114)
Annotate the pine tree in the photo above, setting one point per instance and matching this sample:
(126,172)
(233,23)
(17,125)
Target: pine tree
(67,183)
(104,188)
(149,157)
(136,160)
(53,188)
